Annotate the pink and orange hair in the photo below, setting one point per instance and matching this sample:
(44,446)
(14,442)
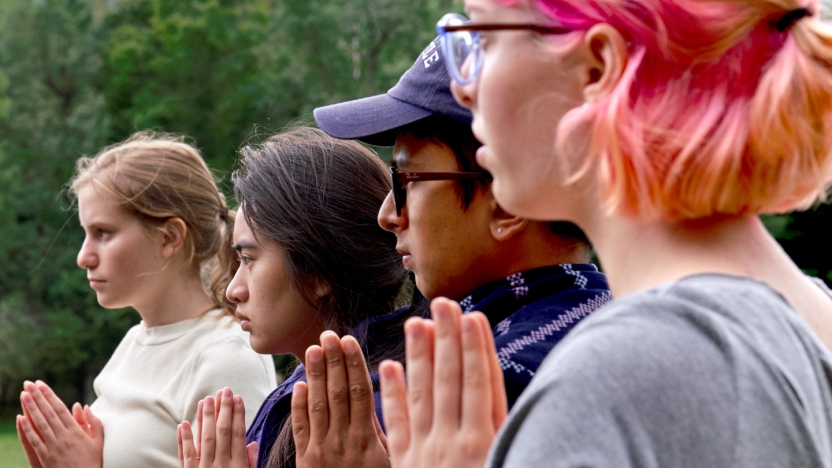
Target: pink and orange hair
(717,113)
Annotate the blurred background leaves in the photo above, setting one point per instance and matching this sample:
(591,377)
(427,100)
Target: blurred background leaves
(77,75)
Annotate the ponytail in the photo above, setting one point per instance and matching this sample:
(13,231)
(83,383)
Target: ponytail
(225,265)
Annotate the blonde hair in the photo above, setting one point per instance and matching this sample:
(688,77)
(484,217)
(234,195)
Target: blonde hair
(157,176)
(720,111)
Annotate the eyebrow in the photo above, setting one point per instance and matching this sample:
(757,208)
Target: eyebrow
(244,245)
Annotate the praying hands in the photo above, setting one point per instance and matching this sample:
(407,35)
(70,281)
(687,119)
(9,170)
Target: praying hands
(221,440)
(454,401)
(333,414)
(54,437)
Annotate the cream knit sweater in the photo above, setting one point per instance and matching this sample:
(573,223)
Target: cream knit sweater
(157,375)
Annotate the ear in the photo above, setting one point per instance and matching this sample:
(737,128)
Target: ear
(606,56)
(322,289)
(505,225)
(174,232)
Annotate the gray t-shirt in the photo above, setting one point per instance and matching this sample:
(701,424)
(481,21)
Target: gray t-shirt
(709,371)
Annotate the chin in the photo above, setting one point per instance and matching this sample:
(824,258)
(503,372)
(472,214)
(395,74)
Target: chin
(108,303)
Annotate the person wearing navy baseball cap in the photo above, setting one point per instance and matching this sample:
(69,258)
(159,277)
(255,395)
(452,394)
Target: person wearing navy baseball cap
(459,243)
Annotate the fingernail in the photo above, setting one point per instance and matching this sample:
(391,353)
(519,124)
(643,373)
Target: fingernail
(349,345)
(468,325)
(330,341)
(27,399)
(315,354)
(238,401)
(24,422)
(440,310)
(414,331)
(299,389)
(27,383)
(227,393)
(209,402)
(186,426)
(386,369)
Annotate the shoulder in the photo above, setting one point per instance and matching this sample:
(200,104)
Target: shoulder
(617,385)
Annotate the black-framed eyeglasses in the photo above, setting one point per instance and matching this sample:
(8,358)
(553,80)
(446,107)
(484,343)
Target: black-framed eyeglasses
(401,179)
(461,43)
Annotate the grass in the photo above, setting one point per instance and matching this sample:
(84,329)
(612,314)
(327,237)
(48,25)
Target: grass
(11,454)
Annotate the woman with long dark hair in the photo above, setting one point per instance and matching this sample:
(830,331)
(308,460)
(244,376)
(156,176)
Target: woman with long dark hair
(312,259)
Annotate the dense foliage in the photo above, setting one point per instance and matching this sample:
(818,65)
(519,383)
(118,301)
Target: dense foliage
(76,75)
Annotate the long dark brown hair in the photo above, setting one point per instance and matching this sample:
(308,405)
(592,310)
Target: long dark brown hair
(318,197)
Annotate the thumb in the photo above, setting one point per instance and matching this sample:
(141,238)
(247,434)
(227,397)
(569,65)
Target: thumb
(96,427)
(251,451)
(78,416)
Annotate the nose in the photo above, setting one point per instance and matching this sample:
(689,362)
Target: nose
(466,95)
(87,257)
(237,291)
(387,217)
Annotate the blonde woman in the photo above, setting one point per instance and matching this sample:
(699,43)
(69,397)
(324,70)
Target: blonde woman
(153,219)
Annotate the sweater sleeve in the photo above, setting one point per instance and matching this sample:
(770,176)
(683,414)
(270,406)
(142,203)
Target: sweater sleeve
(230,363)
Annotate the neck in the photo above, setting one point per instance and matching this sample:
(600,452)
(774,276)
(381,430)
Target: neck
(639,255)
(538,247)
(177,300)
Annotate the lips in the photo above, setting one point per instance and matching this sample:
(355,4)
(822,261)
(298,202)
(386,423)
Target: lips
(96,282)
(407,260)
(245,323)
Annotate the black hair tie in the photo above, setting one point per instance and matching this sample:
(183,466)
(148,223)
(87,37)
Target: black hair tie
(789,19)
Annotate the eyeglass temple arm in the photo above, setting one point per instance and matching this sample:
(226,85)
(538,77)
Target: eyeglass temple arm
(503,27)
(412,176)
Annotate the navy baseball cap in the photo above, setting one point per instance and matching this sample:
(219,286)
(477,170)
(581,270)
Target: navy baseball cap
(422,91)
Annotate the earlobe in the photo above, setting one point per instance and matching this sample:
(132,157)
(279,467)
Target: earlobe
(606,55)
(505,225)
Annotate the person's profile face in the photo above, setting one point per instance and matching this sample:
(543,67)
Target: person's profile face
(121,255)
(527,83)
(269,305)
(440,242)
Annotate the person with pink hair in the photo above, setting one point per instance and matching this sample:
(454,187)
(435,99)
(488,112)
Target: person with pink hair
(663,129)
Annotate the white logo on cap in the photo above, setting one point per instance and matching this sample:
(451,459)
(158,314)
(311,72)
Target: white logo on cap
(429,58)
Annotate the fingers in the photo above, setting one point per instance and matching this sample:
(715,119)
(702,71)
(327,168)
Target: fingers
(209,431)
(317,396)
(419,355)
(218,403)
(447,364)
(80,419)
(337,387)
(300,417)
(499,401)
(188,459)
(394,408)
(199,407)
(28,448)
(224,423)
(96,426)
(362,407)
(251,450)
(238,429)
(477,410)
(55,404)
(179,450)
(37,420)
